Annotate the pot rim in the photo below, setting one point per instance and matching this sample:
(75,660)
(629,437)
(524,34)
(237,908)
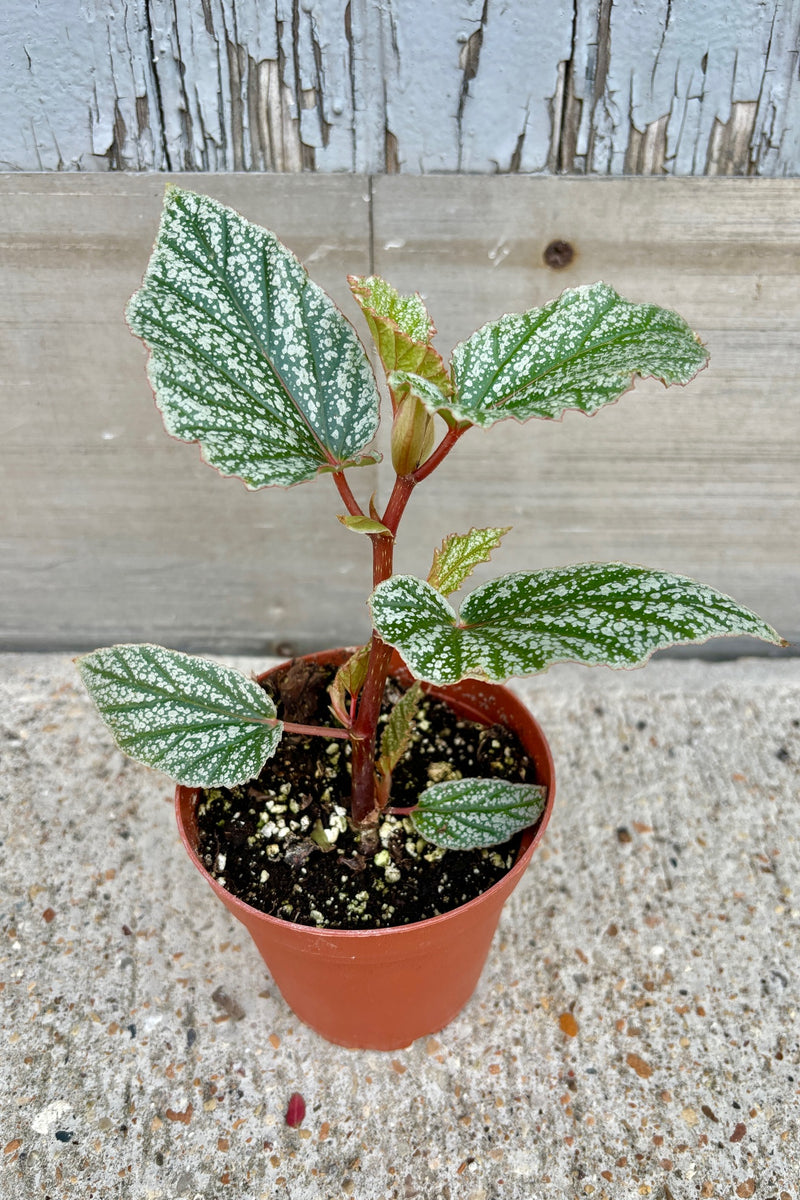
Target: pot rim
(186,796)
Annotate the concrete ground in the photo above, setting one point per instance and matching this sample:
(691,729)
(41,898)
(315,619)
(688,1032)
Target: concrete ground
(635,1032)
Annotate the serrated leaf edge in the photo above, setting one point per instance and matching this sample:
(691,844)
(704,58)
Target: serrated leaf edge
(482,676)
(330,463)
(405,708)
(451,404)
(500,530)
(273,722)
(537,794)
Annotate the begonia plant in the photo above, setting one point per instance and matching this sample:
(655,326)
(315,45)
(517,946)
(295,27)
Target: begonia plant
(252,360)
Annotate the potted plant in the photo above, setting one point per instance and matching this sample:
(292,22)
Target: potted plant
(406,775)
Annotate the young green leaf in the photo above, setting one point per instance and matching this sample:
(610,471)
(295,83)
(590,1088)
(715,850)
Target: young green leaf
(594,613)
(353,672)
(401,328)
(580,351)
(464,814)
(203,724)
(361,524)
(397,731)
(348,681)
(459,555)
(431,395)
(248,356)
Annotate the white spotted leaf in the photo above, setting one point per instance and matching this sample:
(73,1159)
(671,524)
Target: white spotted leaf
(594,613)
(581,351)
(401,329)
(431,395)
(465,814)
(203,724)
(459,554)
(248,356)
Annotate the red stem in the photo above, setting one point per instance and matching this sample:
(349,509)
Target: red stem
(365,727)
(366,803)
(442,450)
(363,733)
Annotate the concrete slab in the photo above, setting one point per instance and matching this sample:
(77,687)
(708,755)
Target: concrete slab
(635,1032)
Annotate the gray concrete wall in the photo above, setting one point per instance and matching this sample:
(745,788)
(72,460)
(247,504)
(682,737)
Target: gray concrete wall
(685,87)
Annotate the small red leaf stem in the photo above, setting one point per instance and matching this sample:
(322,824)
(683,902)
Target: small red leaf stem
(442,450)
(315,730)
(352,505)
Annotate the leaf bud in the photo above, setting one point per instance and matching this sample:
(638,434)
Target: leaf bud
(412,435)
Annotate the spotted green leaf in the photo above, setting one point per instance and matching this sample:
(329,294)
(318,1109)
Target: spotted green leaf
(248,356)
(580,351)
(459,554)
(397,731)
(594,613)
(203,724)
(401,329)
(464,814)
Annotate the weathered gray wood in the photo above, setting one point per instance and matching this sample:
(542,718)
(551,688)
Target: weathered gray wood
(702,480)
(111,531)
(636,86)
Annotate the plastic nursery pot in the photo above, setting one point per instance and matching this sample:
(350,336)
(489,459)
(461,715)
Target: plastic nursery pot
(380,989)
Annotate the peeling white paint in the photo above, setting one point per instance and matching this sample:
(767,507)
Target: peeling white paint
(328,85)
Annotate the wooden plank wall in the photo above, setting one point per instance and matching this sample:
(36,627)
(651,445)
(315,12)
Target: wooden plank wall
(685,87)
(109,530)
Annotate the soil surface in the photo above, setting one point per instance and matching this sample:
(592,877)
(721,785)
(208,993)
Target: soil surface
(283,842)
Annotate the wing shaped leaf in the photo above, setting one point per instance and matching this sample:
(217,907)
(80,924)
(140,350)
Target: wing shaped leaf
(362,524)
(595,613)
(580,351)
(203,724)
(464,814)
(459,554)
(401,329)
(248,356)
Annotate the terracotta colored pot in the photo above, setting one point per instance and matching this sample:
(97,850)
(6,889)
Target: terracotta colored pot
(380,989)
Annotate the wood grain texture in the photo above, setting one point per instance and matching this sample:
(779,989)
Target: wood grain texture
(110,531)
(702,480)
(685,87)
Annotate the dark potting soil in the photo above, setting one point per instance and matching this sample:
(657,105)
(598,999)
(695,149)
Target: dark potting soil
(283,842)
